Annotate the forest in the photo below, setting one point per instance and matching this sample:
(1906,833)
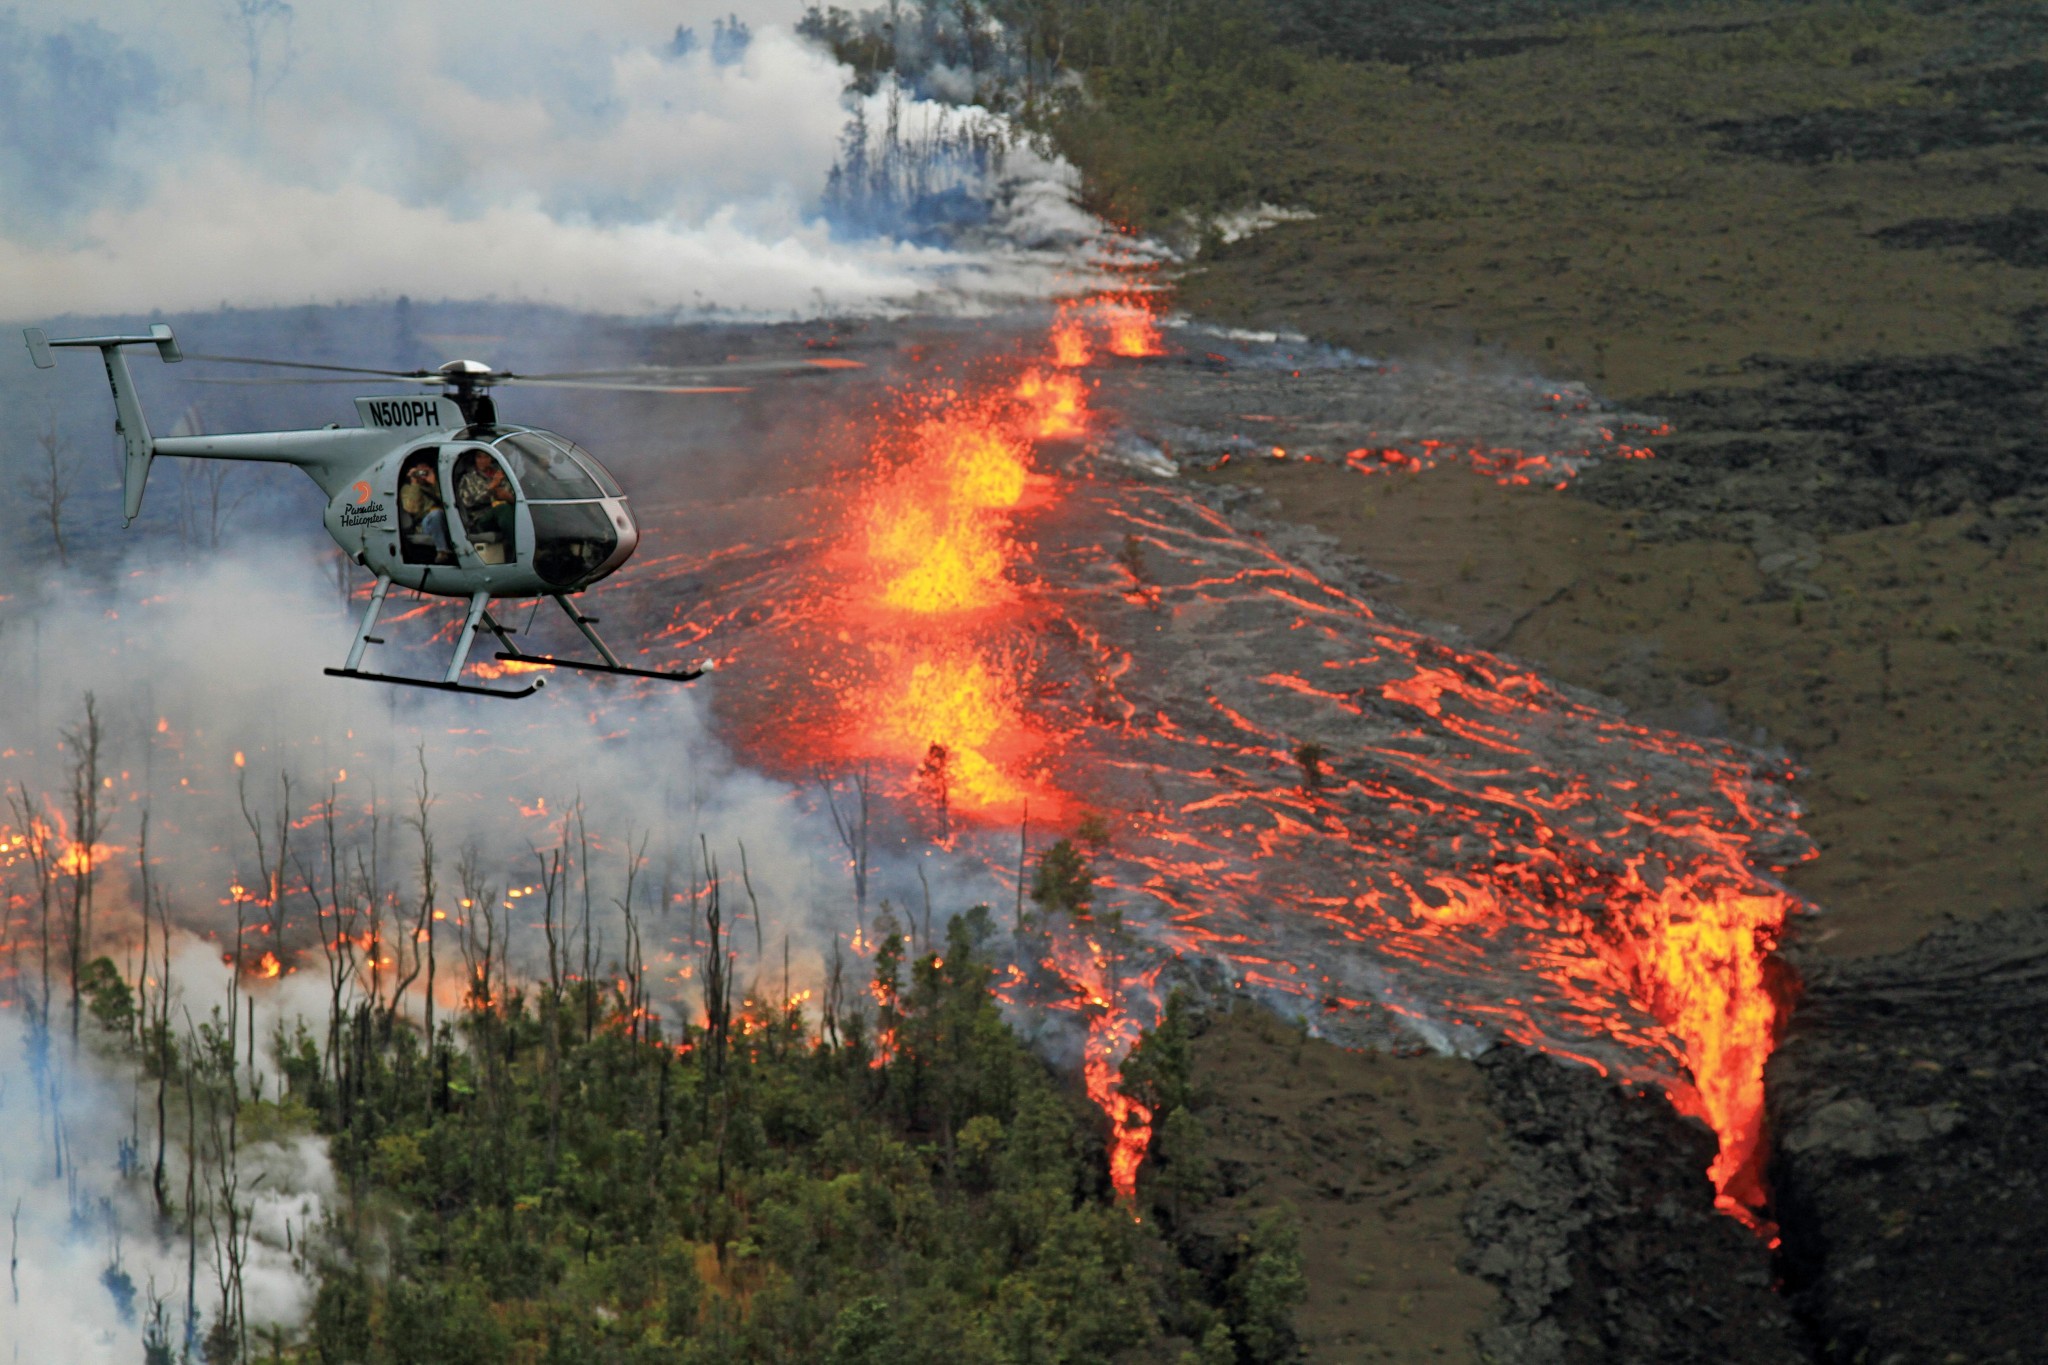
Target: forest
(586,1166)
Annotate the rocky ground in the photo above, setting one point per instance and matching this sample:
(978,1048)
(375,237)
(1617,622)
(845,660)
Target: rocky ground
(1516,1209)
(1912,1163)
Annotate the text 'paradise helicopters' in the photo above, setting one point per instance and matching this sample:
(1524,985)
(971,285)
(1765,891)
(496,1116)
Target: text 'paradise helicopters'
(432,493)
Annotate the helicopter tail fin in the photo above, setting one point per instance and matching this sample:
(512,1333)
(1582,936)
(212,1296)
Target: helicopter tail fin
(137,447)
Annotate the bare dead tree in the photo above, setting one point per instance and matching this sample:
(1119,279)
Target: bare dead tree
(141,1022)
(38,845)
(213,1049)
(203,490)
(85,740)
(717,1001)
(423,926)
(589,983)
(160,1035)
(636,970)
(853,833)
(480,932)
(335,916)
(927,888)
(753,904)
(266,33)
(191,1191)
(271,854)
(52,484)
(550,888)
(370,889)
(835,991)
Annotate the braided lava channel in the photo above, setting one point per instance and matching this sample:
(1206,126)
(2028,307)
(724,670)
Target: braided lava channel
(1406,844)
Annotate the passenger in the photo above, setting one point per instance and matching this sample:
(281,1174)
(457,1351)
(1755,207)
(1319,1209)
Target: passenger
(424,512)
(419,499)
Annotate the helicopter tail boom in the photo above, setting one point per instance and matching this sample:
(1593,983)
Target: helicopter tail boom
(137,448)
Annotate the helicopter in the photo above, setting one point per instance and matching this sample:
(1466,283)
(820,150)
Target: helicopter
(431,492)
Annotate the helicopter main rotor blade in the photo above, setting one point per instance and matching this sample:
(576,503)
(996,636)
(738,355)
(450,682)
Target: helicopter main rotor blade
(294,379)
(311,365)
(614,387)
(655,372)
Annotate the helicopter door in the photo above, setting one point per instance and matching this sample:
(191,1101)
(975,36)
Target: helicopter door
(423,510)
(487,504)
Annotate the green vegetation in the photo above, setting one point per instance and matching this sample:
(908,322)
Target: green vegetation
(911,1186)
(561,1171)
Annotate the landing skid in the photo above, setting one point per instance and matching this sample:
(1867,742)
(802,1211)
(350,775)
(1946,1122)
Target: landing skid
(479,617)
(512,653)
(508,693)
(475,616)
(514,656)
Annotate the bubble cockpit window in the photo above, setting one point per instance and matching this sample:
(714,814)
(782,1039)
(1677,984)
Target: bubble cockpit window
(589,462)
(546,471)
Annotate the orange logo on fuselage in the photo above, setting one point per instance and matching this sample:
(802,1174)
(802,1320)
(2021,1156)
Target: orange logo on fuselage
(362,493)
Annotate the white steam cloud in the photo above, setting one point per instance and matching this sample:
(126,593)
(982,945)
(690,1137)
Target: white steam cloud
(623,156)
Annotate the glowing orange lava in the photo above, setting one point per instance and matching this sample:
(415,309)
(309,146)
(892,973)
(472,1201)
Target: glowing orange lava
(1071,348)
(1479,842)
(1057,402)
(1132,331)
(1702,966)
(956,715)
(1130,1121)
(934,543)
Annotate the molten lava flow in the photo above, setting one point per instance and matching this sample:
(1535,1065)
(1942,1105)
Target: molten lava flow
(933,556)
(958,713)
(1465,853)
(1401,842)
(1130,1122)
(1120,323)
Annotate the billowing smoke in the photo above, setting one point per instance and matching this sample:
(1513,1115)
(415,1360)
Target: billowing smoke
(92,1274)
(625,156)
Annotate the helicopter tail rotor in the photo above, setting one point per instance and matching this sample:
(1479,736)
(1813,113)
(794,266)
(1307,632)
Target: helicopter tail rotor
(137,447)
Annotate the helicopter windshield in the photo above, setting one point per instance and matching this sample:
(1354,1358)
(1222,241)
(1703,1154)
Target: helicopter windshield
(551,467)
(546,471)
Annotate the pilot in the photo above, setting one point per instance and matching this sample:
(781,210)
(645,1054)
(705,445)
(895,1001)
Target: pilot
(485,496)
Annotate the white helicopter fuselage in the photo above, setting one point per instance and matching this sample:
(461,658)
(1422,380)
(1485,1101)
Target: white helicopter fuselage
(558,521)
(430,493)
